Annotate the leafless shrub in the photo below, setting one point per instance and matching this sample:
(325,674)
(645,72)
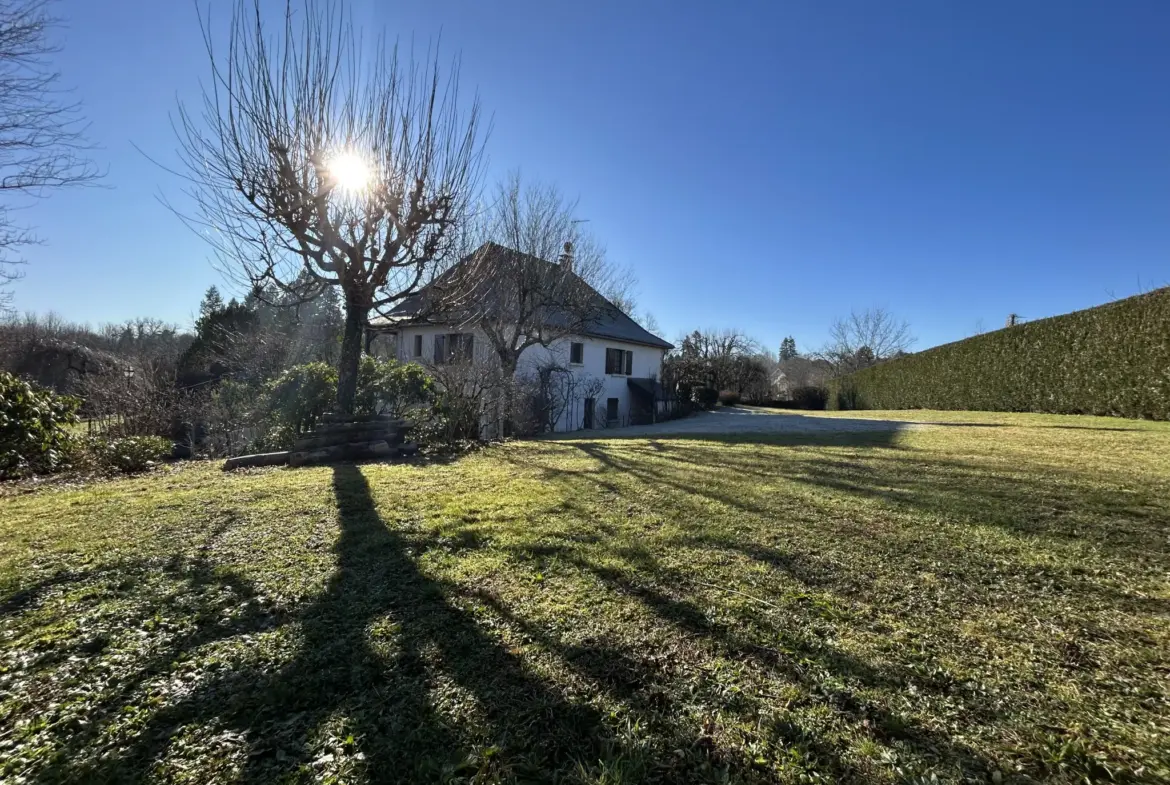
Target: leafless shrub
(549,390)
(470,397)
(131,402)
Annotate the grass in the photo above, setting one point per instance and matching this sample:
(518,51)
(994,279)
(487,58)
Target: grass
(984,601)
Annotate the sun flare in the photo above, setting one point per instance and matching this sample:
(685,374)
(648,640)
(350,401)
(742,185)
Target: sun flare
(351,172)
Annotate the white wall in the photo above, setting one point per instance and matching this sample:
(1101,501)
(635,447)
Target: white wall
(647,363)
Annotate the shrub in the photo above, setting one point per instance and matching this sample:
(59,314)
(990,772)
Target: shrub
(451,421)
(128,455)
(295,400)
(704,397)
(34,427)
(847,395)
(1112,360)
(728,398)
(231,416)
(391,387)
(810,397)
(250,418)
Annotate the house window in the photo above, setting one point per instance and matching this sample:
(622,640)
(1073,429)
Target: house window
(611,410)
(619,361)
(576,353)
(417,346)
(454,348)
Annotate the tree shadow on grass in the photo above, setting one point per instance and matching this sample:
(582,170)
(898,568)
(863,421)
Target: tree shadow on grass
(853,433)
(1060,505)
(1080,544)
(374,649)
(1055,509)
(777,652)
(176,606)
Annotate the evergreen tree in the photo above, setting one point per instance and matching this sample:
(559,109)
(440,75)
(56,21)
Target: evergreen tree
(224,338)
(212,303)
(788,349)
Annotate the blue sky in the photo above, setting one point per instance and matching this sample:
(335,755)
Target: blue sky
(765,165)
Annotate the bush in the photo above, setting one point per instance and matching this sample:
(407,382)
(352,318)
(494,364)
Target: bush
(810,397)
(34,427)
(231,416)
(728,398)
(1110,360)
(128,455)
(295,400)
(704,397)
(451,421)
(391,387)
(259,418)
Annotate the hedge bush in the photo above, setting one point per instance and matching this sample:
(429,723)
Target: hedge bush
(295,400)
(810,397)
(391,387)
(1110,360)
(34,427)
(704,397)
(728,398)
(128,455)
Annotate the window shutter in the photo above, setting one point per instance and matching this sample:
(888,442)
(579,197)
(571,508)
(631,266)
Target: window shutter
(629,363)
(440,349)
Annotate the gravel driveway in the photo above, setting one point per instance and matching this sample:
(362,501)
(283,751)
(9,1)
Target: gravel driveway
(738,420)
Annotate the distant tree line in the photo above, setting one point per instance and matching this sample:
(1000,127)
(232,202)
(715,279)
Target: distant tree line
(729,365)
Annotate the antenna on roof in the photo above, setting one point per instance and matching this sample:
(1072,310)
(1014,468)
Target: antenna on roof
(567,257)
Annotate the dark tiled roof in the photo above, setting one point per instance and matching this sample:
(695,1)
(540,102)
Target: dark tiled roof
(612,324)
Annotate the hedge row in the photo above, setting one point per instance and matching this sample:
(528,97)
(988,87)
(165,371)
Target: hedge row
(1113,360)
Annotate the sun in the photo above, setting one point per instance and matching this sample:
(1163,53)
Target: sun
(351,171)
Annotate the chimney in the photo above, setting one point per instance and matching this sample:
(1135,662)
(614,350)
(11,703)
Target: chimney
(566,259)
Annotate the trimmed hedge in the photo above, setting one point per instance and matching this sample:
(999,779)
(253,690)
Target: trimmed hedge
(1112,360)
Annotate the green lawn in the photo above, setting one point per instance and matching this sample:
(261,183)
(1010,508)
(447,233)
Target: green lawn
(984,600)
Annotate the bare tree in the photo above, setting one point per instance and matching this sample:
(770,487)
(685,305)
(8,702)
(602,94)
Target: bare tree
(310,161)
(530,276)
(726,359)
(42,140)
(864,338)
(648,322)
(535,278)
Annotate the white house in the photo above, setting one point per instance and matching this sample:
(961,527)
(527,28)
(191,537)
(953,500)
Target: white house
(613,366)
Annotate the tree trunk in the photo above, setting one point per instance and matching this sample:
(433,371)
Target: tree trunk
(508,363)
(351,354)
